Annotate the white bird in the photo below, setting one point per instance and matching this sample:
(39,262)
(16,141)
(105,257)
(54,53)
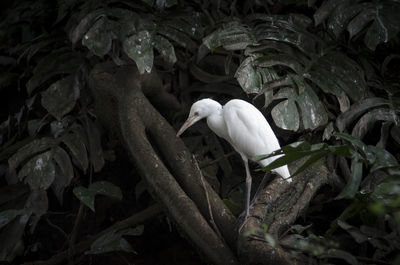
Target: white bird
(244,127)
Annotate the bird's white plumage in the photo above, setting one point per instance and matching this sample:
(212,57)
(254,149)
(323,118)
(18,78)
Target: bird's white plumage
(244,127)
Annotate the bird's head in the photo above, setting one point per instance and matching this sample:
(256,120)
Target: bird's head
(199,110)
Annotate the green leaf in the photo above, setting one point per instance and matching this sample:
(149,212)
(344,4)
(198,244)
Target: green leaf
(358,236)
(232,36)
(286,115)
(386,24)
(328,131)
(39,171)
(342,15)
(326,9)
(313,159)
(139,48)
(357,24)
(206,77)
(113,241)
(50,66)
(64,172)
(59,99)
(340,254)
(84,25)
(165,48)
(249,79)
(383,159)
(30,149)
(87,195)
(8,215)
(76,145)
(312,110)
(369,119)
(106,188)
(180,38)
(279,59)
(357,109)
(352,186)
(98,39)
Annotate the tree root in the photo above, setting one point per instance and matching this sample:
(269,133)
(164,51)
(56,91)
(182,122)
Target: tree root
(278,206)
(162,159)
(175,181)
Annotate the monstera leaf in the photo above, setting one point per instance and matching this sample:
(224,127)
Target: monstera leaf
(378,19)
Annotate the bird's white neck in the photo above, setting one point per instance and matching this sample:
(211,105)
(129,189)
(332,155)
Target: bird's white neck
(216,123)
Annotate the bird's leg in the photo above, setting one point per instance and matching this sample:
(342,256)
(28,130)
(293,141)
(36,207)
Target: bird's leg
(248,189)
(260,187)
(242,220)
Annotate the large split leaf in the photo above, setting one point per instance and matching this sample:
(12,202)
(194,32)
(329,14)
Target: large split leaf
(87,195)
(286,114)
(313,112)
(353,184)
(357,18)
(232,36)
(248,77)
(139,48)
(367,121)
(356,110)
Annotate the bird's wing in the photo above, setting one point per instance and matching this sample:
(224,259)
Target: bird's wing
(250,134)
(249,131)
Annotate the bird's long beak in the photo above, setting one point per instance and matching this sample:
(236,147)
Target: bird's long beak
(189,122)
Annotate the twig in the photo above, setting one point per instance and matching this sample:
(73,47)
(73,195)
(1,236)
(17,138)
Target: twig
(217,160)
(373,261)
(82,246)
(208,201)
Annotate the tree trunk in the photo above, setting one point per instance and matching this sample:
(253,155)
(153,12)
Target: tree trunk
(175,180)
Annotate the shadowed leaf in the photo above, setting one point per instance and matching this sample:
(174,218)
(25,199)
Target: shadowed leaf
(165,48)
(59,99)
(77,147)
(356,110)
(286,116)
(98,38)
(113,241)
(39,171)
(138,47)
(50,66)
(87,195)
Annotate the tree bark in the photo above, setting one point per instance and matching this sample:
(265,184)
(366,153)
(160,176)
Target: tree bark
(175,180)
(162,159)
(278,206)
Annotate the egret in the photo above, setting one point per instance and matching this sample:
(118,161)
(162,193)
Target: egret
(245,128)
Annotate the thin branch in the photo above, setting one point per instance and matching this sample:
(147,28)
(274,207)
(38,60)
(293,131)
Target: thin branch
(208,201)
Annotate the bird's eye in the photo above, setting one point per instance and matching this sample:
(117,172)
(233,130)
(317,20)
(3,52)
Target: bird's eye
(196,113)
